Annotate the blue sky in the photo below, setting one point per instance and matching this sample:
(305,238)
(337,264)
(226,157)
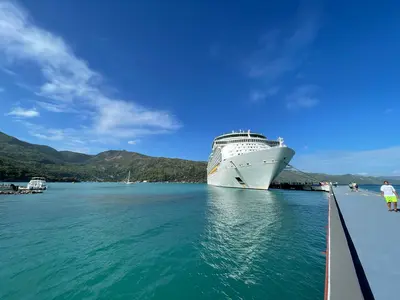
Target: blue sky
(165,77)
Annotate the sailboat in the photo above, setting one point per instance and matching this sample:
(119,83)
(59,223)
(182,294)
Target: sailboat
(129,178)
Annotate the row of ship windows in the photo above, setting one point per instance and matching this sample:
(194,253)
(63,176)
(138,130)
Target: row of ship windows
(249,164)
(238,153)
(264,161)
(241,141)
(216,158)
(240,135)
(248,141)
(251,147)
(248,146)
(246,150)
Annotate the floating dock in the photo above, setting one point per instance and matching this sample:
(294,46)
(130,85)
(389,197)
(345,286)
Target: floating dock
(362,247)
(20,192)
(299,186)
(11,189)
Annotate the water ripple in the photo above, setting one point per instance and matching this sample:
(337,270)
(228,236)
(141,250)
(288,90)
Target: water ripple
(165,242)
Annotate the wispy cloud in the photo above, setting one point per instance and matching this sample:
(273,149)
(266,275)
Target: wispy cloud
(257,96)
(20,112)
(62,108)
(375,162)
(8,71)
(282,50)
(53,135)
(133,142)
(303,96)
(388,110)
(52,106)
(261,95)
(68,138)
(214,50)
(363,173)
(70,84)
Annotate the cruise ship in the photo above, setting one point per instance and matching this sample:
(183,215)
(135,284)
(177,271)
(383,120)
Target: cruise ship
(246,160)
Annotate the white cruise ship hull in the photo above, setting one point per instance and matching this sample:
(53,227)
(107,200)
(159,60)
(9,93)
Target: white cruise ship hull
(253,170)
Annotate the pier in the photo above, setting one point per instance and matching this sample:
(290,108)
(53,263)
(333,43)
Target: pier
(362,247)
(11,189)
(301,186)
(20,192)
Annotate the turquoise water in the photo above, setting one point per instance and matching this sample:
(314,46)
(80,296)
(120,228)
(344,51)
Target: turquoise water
(162,241)
(376,188)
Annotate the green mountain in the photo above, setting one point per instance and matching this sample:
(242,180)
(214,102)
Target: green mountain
(19,161)
(290,176)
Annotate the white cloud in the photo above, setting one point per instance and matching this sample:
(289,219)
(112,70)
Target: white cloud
(62,108)
(51,106)
(70,85)
(261,95)
(375,162)
(303,96)
(51,135)
(257,96)
(23,113)
(65,139)
(72,139)
(134,142)
(8,71)
(84,150)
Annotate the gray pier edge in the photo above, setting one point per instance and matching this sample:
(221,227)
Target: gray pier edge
(345,277)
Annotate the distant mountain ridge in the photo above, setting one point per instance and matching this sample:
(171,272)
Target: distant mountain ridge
(19,161)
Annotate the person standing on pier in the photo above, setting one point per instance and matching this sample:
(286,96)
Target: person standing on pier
(390,195)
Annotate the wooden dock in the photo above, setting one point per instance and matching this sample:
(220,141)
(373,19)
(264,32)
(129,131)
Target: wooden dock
(362,247)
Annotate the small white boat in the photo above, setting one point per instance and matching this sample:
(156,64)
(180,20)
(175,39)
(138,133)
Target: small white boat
(37,183)
(128,181)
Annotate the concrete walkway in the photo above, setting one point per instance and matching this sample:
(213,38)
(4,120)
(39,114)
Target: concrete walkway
(374,232)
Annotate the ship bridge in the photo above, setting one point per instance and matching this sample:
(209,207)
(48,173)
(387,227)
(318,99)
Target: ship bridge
(244,137)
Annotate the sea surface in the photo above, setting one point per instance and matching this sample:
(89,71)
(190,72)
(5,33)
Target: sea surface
(377,188)
(162,241)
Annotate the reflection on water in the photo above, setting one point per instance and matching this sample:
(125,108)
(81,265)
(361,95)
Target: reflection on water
(265,240)
(161,242)
(241,224)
